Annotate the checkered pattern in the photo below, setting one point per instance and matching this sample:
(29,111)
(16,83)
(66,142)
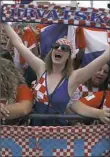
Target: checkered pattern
(21,136)
(40,90)
(6,153)
(90,134)
(63,153)
(105,15)
(85,92)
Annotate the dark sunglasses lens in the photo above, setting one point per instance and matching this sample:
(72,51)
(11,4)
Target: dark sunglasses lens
(56,46)
(65,48)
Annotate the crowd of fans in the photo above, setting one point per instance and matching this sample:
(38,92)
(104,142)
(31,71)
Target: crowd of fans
(54,85)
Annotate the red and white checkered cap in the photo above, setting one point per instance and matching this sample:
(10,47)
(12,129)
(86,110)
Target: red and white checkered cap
(63,41)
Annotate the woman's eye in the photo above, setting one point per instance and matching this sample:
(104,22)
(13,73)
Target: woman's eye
(106,72)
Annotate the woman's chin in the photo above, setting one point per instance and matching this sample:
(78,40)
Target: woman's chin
(55,61)
(97,84)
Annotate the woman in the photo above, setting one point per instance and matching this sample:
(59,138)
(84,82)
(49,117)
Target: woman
(24,104)
(16,97)
(98,89)
(88,106)
(94,93)
(100,79)
(21,104)
(56,81)
(98,82)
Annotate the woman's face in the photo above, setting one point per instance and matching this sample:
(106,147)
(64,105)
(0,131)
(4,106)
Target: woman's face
(100,76)
(60,56)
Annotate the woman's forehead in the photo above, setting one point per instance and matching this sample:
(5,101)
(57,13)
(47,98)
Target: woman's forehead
(106,67)
(64,41)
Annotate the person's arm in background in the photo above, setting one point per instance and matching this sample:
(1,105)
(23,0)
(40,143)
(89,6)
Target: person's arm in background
(84,110)
(23,105)
(16,110)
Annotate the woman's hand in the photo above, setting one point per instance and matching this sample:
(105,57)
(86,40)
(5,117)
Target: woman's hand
(3,111)
(36,31)
(107,52)
(104,115)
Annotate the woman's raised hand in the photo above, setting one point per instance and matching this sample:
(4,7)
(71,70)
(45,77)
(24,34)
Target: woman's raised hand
(107,52)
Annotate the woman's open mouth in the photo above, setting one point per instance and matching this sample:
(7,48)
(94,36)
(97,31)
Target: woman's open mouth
(58,56)
(99,78)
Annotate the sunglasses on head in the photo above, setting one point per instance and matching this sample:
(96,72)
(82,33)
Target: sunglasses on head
(63,47)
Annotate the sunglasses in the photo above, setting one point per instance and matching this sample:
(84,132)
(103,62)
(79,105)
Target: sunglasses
(64,48)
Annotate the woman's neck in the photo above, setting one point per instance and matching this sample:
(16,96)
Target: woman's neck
(58,68)
(94,85)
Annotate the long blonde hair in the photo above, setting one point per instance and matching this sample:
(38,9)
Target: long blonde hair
(10,79)
(67,69)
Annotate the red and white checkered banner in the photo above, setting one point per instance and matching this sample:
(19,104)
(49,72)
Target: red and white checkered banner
(89,17)
(80,140)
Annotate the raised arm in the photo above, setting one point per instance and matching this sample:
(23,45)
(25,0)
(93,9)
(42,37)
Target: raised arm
(84,110)
(82,75)
(36,64)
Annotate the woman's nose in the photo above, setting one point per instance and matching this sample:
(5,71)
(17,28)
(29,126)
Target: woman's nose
(102,72)
(59,48)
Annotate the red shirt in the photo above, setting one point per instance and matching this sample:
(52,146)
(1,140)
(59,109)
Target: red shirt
(24,93)
(95,99)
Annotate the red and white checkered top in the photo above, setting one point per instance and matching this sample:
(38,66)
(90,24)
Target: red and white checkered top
(40,90)
(84,91)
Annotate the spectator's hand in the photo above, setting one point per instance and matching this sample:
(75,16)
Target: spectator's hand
(3,111)
(36,31)
(105,115)
(107,52)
